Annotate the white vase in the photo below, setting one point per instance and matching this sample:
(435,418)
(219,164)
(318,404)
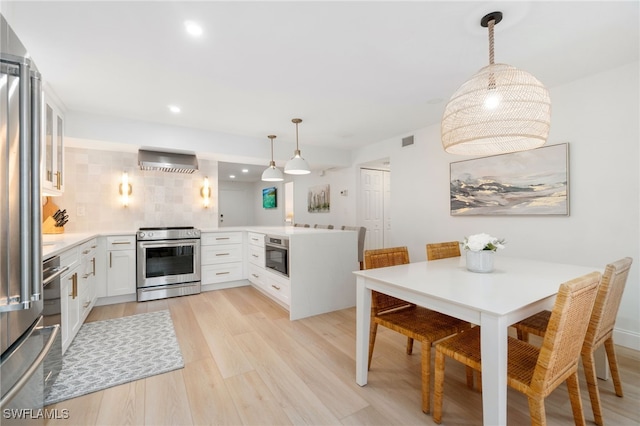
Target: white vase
(480,261)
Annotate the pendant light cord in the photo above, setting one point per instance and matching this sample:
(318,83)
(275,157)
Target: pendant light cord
(297,149)
(491,54)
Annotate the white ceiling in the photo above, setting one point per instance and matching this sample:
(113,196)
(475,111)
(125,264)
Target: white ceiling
(355,72)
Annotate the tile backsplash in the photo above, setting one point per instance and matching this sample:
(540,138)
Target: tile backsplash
(92,199)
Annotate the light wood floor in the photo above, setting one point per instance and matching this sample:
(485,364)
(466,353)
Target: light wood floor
(247,364)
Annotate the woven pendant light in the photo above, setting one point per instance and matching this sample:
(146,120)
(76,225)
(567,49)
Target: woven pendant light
(272,173)
(500,109)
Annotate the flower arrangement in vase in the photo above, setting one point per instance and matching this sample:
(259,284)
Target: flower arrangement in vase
(480,249)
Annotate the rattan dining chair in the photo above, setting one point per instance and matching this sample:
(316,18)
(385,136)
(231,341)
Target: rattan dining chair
(534,371)
(437,251)
(415,322)
(600,331)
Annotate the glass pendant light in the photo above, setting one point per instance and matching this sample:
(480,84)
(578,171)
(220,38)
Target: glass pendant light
(500,109)
(297,165)
(272,173)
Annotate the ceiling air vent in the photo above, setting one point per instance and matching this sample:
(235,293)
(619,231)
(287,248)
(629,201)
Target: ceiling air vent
(172,162)
(407,141)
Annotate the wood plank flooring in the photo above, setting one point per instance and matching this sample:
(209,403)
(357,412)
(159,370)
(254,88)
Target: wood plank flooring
(247,364)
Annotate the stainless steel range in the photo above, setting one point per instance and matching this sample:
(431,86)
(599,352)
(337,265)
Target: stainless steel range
(168,262)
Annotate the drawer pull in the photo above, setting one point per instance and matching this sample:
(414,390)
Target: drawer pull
(255,255)
(86,251)
(275,286)
(222,254)
(255,239)
(94,246)
(86,304)
(222,238)
(120,242)
(255,276)
(222,273)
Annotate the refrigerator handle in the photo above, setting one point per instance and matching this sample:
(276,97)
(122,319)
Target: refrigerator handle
(26,215)
(32,368)
(36,201)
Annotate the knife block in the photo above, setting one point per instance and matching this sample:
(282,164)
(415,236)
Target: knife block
(49,225)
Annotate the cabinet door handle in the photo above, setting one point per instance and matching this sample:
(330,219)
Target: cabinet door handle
(110,259)
(275,286)
(222,273)
(93,266)
(58,179)
(74,285)
(222,254)
(94,246)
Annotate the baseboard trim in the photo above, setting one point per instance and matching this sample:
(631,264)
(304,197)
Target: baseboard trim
(626,338)
(102,301)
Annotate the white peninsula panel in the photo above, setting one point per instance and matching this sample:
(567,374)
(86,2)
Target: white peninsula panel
(321,269)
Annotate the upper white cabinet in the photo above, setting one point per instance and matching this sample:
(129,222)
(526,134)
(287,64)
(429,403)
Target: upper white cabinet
(52,145)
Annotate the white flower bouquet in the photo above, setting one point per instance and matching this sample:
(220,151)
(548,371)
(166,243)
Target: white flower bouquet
(480,242)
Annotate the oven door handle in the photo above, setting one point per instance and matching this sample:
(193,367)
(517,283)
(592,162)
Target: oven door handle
(161,244)
(58,271)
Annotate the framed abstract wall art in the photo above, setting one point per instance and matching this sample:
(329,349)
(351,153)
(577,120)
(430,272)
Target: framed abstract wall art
(534,182)
(270,198)
(318,199)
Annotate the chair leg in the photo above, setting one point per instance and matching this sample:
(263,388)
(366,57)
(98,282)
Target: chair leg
(589,366)
(576,401)
(426,375)
(536,411)
(409,345)
(373,330)
(438,386)
(469,372)
(613,365)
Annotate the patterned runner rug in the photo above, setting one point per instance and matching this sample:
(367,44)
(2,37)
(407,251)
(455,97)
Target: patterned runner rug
(112,352)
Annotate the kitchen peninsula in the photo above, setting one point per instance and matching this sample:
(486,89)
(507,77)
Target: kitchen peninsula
(320,265)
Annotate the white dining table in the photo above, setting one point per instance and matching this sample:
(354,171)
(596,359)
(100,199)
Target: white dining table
(516,289)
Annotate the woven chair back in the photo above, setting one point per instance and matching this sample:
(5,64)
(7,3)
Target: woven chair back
(605,310)
(380,258)
(437,251)
(560,350)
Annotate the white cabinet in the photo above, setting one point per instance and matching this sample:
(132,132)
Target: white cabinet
(274,285)
(121,265)
(52,145)
(221,257)
(69,305)
(88,279)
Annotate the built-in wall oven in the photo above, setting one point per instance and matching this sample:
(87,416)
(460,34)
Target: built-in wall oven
(276,253)
(168,262)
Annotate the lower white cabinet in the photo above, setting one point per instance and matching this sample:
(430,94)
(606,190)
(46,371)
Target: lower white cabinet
(221,257)
(70,319)
(121,265)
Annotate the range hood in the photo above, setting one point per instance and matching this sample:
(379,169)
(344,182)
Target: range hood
(173,162)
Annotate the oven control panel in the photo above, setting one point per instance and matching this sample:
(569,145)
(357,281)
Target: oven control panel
(151,234)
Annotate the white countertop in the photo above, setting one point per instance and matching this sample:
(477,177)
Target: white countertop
(54,244)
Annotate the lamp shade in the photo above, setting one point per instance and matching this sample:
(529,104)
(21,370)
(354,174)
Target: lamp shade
(499,109)
(297,165)
(272,174)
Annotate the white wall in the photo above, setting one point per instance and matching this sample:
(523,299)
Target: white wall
(342,208)
(599,117)
(268,217)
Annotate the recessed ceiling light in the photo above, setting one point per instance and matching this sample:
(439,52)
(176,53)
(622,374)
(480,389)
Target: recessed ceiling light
(192,28)
(245,170)
(174,109)
(232,176)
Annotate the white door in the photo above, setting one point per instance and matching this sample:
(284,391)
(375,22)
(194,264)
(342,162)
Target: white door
(234,208)
(372,187)
(386,202)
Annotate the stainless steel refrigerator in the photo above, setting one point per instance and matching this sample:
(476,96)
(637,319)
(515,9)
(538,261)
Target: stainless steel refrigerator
(24,342)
